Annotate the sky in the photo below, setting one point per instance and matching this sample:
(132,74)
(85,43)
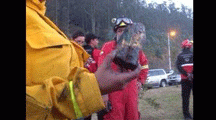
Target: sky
(188,3)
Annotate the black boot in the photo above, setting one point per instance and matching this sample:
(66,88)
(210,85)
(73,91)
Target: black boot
(187,115)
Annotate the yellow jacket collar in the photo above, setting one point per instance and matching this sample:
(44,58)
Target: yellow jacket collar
(81,51)
(37,5)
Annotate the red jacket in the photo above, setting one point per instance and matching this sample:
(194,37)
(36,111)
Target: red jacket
(110,46)
(183,59)
(94,64)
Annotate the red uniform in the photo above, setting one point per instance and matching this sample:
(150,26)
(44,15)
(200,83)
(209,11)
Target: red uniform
(124,102)
(93,66)
(94,52)
(188,68)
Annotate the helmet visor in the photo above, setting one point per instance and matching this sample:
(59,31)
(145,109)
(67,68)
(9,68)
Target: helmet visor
(125,20)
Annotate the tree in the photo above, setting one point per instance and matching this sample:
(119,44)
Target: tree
(95,16)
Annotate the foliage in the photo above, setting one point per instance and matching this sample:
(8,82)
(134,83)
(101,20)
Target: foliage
(159,19)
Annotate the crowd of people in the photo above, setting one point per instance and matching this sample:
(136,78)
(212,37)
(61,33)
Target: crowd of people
(70,78)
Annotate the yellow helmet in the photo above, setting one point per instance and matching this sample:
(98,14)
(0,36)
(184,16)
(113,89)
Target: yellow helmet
(121,22)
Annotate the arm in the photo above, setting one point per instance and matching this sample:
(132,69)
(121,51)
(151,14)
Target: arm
(57,86)
(179,62)
(56,83)
(70,99)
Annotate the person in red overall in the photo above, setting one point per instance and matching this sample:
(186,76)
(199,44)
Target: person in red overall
(92,65)
(124,103)
(91,47)
(184,64)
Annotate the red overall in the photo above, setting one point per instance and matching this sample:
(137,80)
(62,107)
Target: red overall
(124,102)
(93,66)
(188,68)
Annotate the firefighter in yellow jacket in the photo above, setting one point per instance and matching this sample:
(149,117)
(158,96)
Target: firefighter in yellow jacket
(57,84)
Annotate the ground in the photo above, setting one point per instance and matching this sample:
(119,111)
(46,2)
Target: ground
(161,103)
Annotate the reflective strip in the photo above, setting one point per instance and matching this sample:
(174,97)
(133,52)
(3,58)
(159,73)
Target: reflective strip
(77,110)
(145,66)
(122,24)
(101,53)
(190,64)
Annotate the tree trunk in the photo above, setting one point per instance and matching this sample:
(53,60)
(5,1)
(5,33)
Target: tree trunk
(93,24)
(108,17)
(93,16)
(63,16)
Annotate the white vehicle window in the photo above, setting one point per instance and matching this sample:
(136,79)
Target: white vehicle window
(152,73)
(156,73)
(161,72)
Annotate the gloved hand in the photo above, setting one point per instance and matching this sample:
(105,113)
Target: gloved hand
(139,86)
(129,43)
(190,76)
(109,80)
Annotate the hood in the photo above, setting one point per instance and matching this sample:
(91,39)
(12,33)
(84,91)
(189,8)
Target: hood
(38,5)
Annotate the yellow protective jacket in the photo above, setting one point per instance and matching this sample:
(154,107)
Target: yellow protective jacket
(57,84)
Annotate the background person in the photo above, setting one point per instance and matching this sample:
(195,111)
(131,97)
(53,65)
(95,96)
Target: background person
(185,60)
(91,47)
(79,37)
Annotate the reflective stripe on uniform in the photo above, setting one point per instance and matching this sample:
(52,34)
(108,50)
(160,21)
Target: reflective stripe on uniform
(189,64)
(101,53)
(145,66)
(77,110)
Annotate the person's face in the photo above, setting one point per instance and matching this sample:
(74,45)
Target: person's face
(95,42)
(119,32)
(80,40)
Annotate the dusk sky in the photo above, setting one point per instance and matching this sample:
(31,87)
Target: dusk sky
(188,3)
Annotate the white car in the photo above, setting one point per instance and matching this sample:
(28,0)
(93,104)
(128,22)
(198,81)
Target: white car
(157,78)
(178,78)
(174,79)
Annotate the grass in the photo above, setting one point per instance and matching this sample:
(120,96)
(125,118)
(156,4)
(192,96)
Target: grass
(162,103)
